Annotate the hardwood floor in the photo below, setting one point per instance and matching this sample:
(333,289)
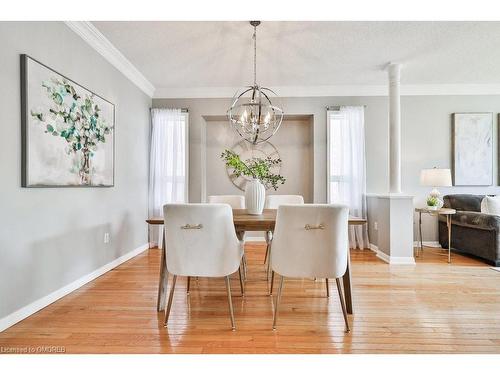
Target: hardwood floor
(434,307)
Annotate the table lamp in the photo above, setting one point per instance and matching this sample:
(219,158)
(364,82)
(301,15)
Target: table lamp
(435,177)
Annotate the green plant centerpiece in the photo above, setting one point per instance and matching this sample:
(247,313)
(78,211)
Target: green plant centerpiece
(256,168)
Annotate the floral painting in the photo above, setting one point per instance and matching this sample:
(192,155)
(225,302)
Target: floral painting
(68,131)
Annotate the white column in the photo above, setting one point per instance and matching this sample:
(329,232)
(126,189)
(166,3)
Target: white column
(394,129)
(394,211)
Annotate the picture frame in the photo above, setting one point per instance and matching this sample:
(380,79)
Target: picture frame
(67,131)
(472,139)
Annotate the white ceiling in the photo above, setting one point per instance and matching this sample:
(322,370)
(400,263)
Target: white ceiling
(189,57)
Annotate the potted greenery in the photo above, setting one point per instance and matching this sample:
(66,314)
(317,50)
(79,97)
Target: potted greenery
(259,172)
(433,202)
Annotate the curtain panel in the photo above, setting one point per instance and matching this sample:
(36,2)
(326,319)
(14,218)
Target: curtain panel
(347,167)
(168,165)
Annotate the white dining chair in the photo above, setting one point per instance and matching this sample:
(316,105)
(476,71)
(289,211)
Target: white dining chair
(201,241)
(274,201)
(311,241)
(235,201)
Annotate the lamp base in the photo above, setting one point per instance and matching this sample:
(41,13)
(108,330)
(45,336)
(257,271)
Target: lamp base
(435,193)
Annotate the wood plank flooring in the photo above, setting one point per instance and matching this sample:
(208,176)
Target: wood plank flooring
(434,307)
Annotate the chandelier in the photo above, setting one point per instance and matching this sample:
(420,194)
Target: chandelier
(252,114)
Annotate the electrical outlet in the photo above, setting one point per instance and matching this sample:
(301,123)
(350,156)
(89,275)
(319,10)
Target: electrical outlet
(375,225)
(106,237)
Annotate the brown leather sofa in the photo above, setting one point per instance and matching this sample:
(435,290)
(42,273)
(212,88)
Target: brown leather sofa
(473,232)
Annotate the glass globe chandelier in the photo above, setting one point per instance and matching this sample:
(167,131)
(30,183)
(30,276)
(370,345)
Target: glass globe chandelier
(252,114)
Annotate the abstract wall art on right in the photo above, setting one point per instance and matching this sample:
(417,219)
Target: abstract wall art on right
(473,149)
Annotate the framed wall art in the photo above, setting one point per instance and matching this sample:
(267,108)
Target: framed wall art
(67,131)
(473,149)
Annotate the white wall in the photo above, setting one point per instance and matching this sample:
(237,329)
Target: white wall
(50,237)
(426,139)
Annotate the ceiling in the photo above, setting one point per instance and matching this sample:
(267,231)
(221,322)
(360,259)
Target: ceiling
(184,56)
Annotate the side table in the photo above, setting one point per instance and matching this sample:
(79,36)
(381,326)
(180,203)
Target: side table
(448,212)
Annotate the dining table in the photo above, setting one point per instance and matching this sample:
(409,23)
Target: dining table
(244,222)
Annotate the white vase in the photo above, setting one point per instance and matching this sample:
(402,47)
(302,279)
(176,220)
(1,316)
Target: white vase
(255,195)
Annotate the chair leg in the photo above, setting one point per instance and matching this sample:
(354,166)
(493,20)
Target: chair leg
(268,241)
(278,298)
(267,252)
(188,284)
(327,288)
(272,283)
(170,298)
(342,303)
(228,287)
(241,282)
(244,260)
(269,262)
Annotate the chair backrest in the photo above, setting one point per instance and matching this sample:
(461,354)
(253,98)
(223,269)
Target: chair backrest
(201,240)
(274,201)
(235,201)
(311,240)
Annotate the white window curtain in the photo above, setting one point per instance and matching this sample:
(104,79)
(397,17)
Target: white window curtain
(347,167)
(168,166)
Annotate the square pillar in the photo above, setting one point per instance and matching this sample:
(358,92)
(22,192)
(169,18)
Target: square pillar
(393,238)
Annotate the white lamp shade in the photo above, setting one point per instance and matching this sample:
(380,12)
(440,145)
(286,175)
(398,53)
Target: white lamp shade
(435,177)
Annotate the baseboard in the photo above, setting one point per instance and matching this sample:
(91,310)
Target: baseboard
(380,254)
(391,260)
(39,304)
(427,244)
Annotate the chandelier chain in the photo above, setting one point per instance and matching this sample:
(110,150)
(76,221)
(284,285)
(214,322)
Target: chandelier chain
(255,55)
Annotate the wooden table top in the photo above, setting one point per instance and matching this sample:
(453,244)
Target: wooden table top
(265,221)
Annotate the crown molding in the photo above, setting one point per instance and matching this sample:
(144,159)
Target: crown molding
(101,44)
(282,91)
(336,90)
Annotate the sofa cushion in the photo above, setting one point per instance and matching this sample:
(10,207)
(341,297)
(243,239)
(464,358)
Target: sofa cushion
(490,205)
(463,202)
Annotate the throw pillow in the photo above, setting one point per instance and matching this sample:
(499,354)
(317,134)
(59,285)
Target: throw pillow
(490,205)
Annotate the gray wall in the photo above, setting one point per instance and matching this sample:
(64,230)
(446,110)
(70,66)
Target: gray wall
(426,140)
(50,237)
(316,107)
(293,141)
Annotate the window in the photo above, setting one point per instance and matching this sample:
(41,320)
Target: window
(169,159)
(346,165)
(336,175)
